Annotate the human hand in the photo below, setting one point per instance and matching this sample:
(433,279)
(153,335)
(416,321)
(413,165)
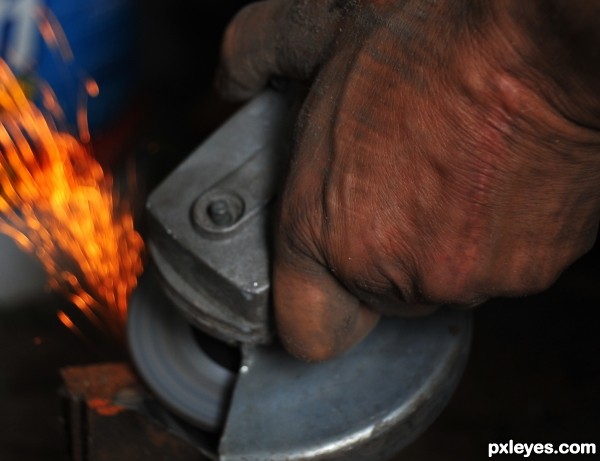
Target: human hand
(446,152)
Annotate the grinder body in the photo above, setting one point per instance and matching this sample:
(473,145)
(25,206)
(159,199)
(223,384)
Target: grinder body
(210,247)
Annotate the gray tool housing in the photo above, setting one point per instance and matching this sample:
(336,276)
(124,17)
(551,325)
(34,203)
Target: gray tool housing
(209,242)
(217,270)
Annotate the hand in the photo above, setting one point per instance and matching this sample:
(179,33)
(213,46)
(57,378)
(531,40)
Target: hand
(446,152)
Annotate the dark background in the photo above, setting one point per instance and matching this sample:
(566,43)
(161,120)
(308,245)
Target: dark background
(534,371)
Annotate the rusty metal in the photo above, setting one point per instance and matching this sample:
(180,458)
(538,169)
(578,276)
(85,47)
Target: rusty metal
(109,416)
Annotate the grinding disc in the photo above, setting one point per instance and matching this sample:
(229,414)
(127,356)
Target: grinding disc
(366,404)
(167,356)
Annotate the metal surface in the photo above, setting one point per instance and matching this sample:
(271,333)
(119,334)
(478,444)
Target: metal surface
(165,353)
(216,268)
(109,416)
(363,406)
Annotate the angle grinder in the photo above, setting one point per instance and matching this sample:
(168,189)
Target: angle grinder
(202,338)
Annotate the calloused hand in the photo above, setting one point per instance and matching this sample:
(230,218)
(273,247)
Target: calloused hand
(446,152)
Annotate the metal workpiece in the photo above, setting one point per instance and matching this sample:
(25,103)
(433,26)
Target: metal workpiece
(209,226)
(109,416)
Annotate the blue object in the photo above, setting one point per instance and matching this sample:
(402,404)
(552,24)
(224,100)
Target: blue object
(102,36)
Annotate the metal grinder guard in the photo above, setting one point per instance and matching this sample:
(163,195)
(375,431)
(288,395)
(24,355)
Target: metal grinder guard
(209,243)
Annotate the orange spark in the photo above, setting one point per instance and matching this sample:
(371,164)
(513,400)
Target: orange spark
(65,320)
(57,202)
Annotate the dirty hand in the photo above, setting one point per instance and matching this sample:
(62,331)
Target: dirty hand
(446,152)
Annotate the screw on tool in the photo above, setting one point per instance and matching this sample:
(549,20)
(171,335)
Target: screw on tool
(220,213)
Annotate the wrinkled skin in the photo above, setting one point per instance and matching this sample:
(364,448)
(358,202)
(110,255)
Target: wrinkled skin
(446,152)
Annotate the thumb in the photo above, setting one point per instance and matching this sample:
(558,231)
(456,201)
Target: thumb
(317,318)
(275,37)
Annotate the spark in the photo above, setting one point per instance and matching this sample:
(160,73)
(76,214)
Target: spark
(57,202)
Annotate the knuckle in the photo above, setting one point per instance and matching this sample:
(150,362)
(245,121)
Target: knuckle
(232,37)
(243,55)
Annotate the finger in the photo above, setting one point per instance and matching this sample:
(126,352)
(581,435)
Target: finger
(275,37)
(248,51)
(317,318)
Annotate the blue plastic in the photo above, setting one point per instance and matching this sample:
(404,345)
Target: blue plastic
(102,36)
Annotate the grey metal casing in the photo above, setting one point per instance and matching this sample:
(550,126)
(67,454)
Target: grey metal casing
(366,405)
(219,275)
